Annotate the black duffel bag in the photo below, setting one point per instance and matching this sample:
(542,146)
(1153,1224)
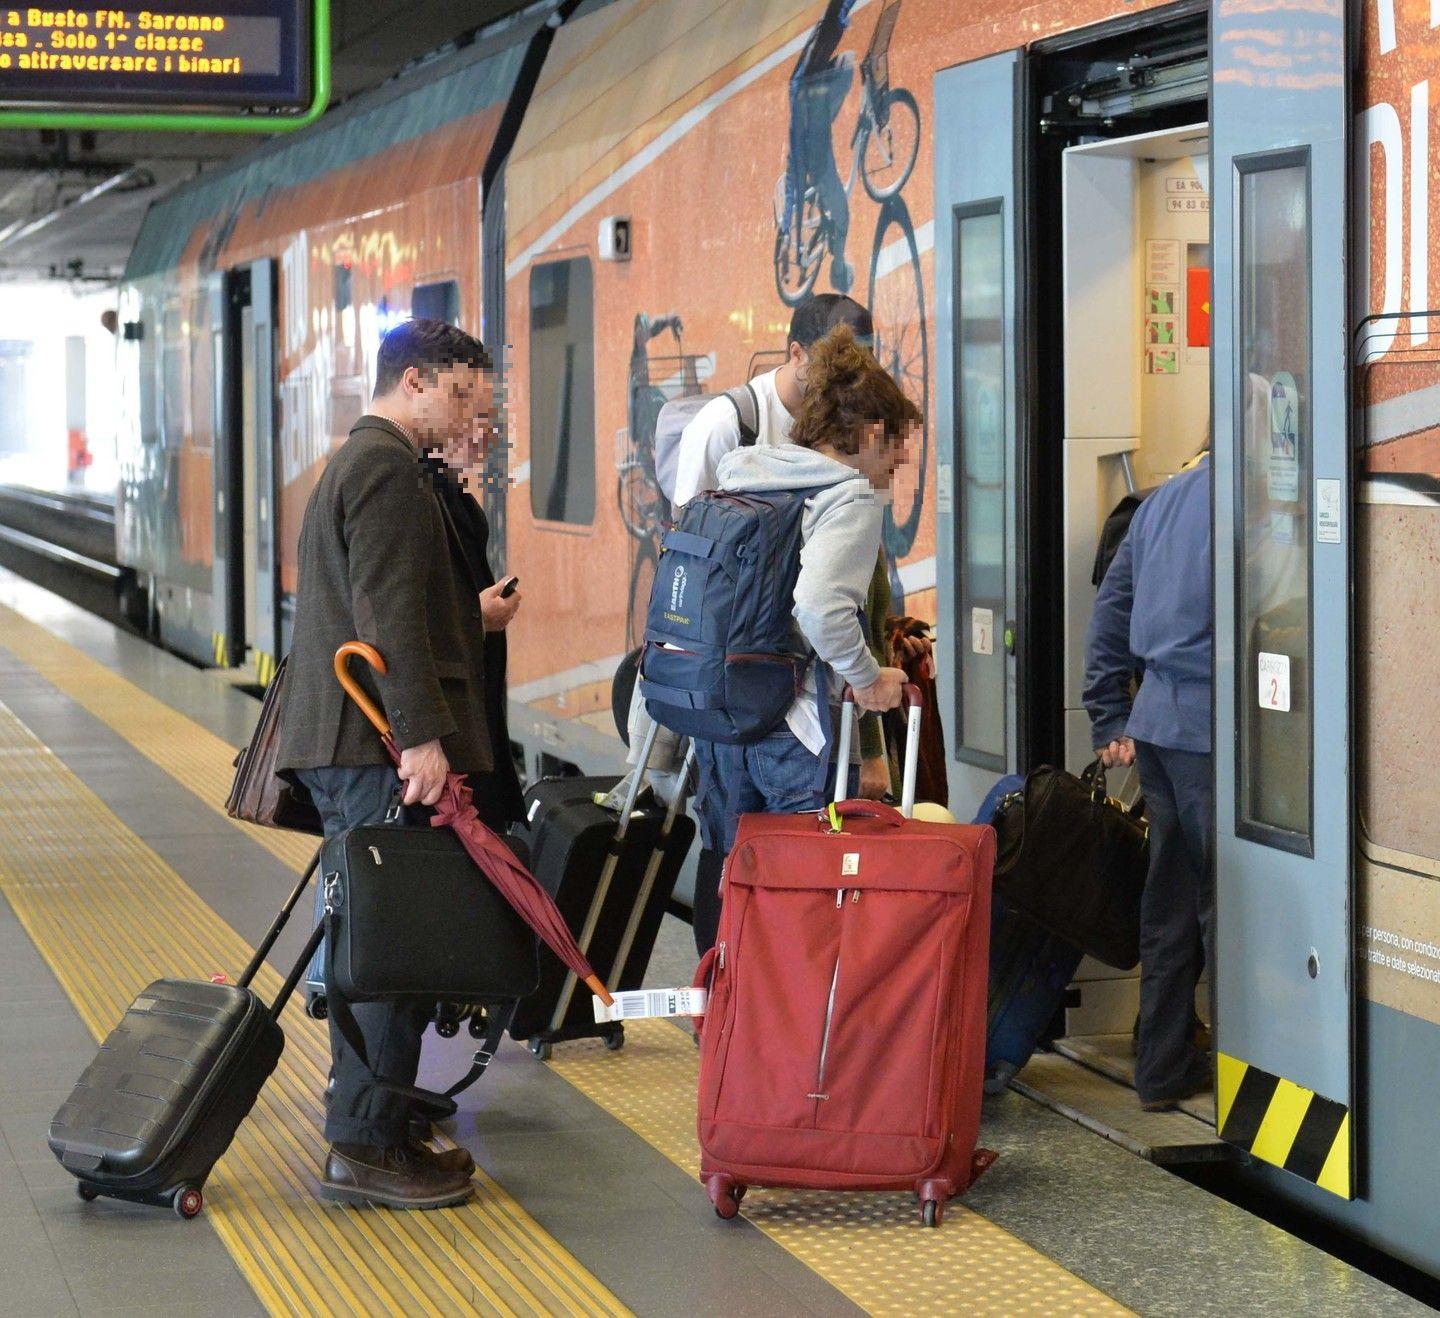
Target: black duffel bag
(1075,861)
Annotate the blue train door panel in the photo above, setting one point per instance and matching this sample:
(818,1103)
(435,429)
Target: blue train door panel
(1283,978)
(977,300)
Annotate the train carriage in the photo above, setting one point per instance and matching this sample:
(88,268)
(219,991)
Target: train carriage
(1096,235)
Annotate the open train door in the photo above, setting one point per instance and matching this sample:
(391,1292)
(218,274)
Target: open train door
(1284,973)
(978,278)
(246,581)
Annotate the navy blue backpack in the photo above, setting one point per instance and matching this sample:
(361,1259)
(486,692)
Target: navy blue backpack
(720,660)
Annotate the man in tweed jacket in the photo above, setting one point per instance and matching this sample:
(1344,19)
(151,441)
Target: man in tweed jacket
(380,562)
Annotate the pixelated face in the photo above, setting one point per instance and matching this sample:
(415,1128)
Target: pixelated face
(454,412)
(881,454)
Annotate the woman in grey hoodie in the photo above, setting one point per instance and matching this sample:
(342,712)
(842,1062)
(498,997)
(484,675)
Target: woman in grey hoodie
(849,437)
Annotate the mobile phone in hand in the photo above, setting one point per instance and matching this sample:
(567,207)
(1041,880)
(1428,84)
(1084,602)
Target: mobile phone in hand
(510,588)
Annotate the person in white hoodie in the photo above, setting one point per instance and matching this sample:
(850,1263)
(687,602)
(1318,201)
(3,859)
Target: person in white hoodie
(849,436)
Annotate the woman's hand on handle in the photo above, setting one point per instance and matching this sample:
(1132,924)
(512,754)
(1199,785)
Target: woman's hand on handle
(885,692)
(1119,753)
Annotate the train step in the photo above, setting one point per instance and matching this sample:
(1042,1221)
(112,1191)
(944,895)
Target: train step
(1109,1107)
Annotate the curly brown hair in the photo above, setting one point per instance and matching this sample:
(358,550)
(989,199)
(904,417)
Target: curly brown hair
(847,390)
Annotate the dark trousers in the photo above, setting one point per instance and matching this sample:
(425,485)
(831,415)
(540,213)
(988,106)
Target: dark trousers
(1177,917)
(362,1112)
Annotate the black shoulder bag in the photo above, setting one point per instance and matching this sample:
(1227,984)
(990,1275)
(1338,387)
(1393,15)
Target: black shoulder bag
(1075,860)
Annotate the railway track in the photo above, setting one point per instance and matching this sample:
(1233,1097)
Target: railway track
(66,543)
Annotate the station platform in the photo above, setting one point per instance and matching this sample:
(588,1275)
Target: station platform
(118,865)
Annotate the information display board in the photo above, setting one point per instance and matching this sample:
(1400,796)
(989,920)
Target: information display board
(256,65)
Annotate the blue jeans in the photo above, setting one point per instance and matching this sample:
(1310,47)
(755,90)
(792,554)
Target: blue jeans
(776,775)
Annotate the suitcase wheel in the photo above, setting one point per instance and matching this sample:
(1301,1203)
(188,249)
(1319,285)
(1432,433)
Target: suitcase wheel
(541,1048)
(614,1039)
(447,1028)
(188,1201)
(931,1212)
(86,1191)
(479,1023)
(725,1194)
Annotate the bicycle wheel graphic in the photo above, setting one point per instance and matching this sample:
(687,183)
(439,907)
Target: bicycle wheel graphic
(797,263)
(902,345)
(888,153)
(642,578)
(642,506)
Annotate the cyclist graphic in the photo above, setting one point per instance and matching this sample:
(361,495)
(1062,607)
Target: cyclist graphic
(818,88)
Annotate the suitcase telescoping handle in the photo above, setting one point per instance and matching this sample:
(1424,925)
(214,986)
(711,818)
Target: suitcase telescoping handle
(914,700)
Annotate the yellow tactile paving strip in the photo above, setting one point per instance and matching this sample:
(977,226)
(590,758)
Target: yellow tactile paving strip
(871,1247)
(109,915)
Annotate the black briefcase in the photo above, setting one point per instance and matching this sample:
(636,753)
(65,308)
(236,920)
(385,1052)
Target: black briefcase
(410,915)
(1075,861)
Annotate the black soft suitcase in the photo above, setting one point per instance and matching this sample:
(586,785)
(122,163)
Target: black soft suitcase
(159,1105)
(574,844)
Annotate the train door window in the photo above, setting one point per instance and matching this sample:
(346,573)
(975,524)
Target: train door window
(439,301)
(175,375)
(562,392)
(1274,674)
(980,459)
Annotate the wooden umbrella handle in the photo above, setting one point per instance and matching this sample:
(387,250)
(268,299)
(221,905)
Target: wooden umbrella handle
(376,660)
(599,989)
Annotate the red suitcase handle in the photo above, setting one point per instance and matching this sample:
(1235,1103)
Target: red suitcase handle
(911,696)
(861,808)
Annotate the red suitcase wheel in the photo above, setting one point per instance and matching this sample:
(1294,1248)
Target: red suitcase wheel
(188,1201)
(725,1195)
(932,1211)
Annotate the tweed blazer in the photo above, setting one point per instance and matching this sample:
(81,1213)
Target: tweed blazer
(377,565)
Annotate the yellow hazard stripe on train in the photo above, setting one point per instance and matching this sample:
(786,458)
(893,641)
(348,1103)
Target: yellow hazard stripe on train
(218,639)
(1282,1123)
(264,667)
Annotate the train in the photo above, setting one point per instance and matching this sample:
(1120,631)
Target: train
(1096,236)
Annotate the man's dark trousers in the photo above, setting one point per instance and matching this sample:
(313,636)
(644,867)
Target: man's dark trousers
(1177,917)
(362,1112)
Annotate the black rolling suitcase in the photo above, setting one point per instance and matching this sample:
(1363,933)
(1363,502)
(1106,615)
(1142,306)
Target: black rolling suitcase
(159,1105)
(611,873)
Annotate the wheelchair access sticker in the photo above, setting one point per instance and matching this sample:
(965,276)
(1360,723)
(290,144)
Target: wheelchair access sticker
(638,1004)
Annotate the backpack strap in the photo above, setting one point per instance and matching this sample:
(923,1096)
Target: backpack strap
(746,403)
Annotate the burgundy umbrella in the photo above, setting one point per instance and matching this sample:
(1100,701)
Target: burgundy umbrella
(456,810)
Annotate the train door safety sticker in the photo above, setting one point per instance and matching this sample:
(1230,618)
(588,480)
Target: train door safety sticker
(1284,1124)
(1284,439)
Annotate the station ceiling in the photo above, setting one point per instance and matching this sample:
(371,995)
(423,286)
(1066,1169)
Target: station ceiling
(71,203)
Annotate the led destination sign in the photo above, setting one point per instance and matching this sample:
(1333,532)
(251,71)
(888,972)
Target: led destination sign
(230,54)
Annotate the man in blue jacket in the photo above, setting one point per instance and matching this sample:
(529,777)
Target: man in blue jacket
(1154,616)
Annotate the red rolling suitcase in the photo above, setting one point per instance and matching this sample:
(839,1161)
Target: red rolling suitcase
(844,1042)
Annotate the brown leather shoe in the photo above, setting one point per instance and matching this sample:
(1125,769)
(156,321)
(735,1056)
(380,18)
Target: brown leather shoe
(457,1160)
(406,1176)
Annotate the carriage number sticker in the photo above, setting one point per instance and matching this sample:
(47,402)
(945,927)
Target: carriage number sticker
(982,631)
(1275,682)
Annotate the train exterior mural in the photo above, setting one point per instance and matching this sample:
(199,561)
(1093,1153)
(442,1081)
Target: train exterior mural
(759,150)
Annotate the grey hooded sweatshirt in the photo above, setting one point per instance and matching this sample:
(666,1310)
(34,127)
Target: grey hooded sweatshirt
(840,540)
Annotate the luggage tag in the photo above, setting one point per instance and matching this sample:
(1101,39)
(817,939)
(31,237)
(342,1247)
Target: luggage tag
(639,1004)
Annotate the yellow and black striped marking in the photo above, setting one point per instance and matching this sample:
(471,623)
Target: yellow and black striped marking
(264,667)
(221,654)
(1284,1124)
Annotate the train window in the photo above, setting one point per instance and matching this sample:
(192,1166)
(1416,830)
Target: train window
(1273,562)
(436,302)
(562,392)
(980,463)
(344,287)
(175,375)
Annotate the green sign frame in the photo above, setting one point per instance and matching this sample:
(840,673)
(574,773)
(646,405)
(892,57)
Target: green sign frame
(181,121)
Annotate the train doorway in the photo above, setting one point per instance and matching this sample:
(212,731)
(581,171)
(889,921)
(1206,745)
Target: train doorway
(1072,281)
(1050,191)
(246,580)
